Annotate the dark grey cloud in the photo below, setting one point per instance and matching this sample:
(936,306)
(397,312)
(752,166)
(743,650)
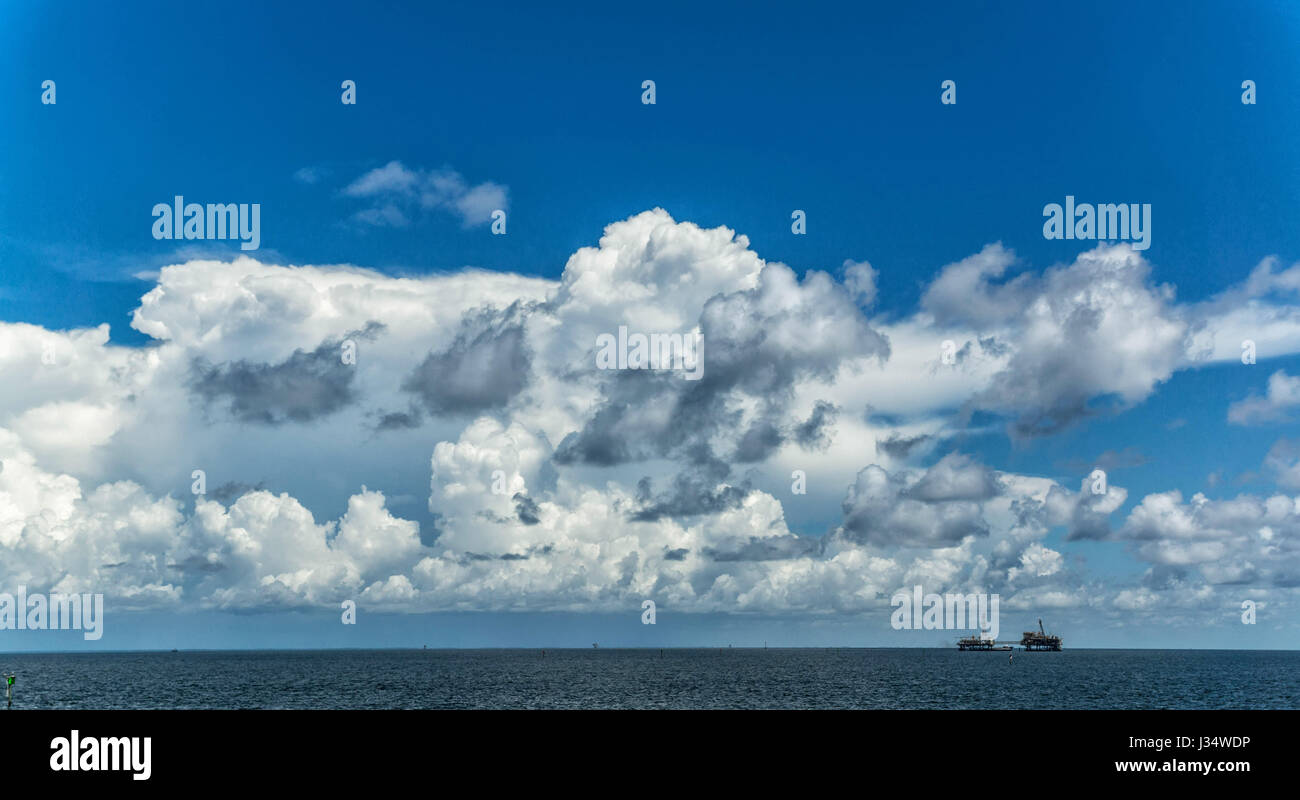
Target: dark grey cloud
(759,440)
(526,509)
(468,557)
(486,365)
(939,509)
(627,569)
(1091,338)
(697,490)
(758,344)
(956,477)
(1086,517)
(771,548)
(963,294)
(815,432)
(304,387)
(228,492)
(527,512)
(398,420)
(612,435)
(900,447)
(1049,388)
(198,564)
(993,347)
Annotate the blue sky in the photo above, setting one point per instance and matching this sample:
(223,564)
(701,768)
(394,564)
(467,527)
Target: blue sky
(761,109)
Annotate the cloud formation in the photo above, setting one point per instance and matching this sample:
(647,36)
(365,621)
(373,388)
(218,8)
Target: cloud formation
(510,471)
(396,194)
(1278,405)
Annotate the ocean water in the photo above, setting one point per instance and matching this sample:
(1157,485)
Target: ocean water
(730,678)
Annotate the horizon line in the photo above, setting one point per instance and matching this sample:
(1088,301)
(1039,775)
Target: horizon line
(611,647)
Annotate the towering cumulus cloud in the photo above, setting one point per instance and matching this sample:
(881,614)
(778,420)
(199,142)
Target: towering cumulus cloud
(295,436)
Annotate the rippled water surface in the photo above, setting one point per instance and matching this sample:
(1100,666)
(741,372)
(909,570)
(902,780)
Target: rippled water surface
(685,678)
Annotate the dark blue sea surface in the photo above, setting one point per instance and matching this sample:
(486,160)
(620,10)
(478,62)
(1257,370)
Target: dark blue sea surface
(673,678)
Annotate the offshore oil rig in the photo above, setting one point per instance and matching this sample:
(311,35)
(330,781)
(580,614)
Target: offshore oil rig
(1030,640)
(1041,640)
